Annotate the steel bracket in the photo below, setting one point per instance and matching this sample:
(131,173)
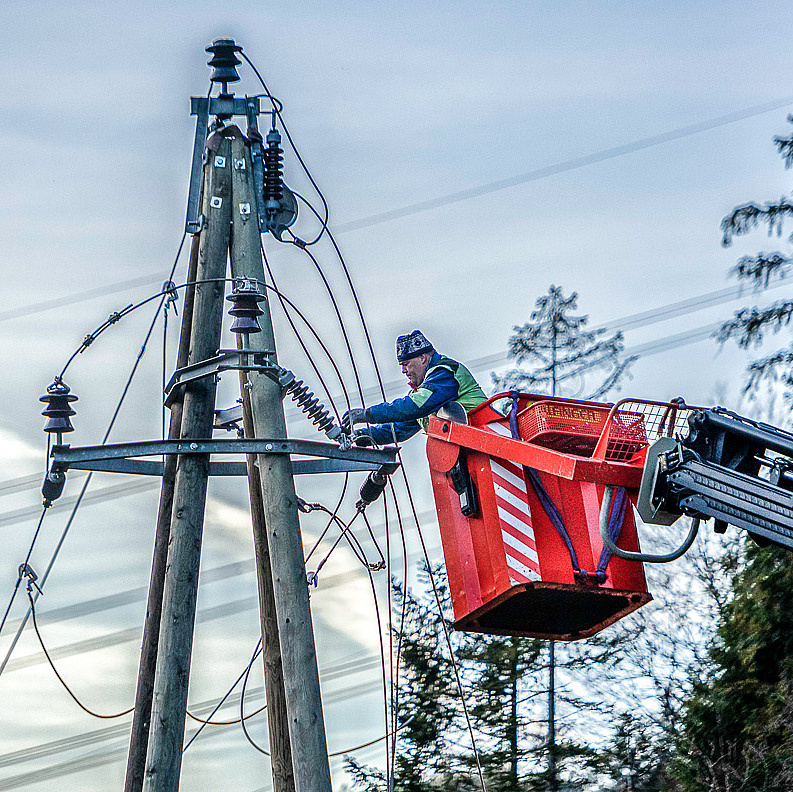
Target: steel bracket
(203,107)
(121,457)
(225,360)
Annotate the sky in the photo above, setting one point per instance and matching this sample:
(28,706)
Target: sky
(393,107)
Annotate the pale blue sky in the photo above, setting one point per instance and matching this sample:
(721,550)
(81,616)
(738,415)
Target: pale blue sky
(391,105)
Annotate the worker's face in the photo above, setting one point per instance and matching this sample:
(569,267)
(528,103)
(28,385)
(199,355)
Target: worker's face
(415,368)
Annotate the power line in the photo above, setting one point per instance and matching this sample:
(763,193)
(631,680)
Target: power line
(565,166)
(110,755)
(444,200)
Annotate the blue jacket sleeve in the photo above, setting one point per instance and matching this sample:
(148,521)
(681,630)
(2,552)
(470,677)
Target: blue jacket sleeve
(439,388)
(382,434)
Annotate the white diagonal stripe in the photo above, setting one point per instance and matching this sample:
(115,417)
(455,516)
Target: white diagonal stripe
(531,574)
(510,540)
(499,429)
(508,475)
(514,500)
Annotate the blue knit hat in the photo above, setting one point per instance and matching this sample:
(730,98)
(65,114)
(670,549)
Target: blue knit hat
(412,345)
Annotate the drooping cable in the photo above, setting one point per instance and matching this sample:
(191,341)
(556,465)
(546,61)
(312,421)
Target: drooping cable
(285,301)
(246,671)
(60,678)
(445,628)
(277,108)
(242,705)
(340,319)
(88,478)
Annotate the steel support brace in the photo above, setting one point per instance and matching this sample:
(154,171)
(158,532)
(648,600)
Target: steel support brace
(118,458)
(744,501)
(225,360)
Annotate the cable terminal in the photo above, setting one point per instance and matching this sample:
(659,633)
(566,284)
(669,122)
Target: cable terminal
(26,571)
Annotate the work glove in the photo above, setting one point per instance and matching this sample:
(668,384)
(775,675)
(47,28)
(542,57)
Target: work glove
(354,416)
(362,439)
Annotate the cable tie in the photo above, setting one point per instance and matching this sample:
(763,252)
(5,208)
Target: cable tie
(114,317)
(305,507)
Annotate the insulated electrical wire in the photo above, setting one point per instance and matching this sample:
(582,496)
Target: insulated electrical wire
(277,108)
(87,481)
(60,678)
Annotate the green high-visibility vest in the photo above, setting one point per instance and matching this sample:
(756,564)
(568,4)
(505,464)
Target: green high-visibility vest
(469,394)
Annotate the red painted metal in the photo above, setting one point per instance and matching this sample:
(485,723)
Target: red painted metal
(509,571)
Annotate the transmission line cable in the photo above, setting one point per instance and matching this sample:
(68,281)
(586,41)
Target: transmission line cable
(567,165)
(285,301)
(88,478)
(60,678)
(245,672)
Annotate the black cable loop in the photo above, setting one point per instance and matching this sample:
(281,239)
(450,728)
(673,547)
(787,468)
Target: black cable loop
(256,653)
(278,107)
(382,564)
(341,322)
(301,242)
(60,678)
(242,706)
(330,521)
(88,478)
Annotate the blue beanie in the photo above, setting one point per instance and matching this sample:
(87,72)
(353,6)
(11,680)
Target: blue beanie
(412,345)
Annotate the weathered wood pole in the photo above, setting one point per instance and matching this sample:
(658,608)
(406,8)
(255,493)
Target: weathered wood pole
(166,735)
(296,633)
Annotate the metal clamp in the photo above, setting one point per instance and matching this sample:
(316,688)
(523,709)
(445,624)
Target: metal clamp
(225,360)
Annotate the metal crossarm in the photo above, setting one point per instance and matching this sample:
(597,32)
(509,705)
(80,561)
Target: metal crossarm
(120,457)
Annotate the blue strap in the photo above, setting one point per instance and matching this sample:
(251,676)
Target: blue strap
(554,515)
(616,519)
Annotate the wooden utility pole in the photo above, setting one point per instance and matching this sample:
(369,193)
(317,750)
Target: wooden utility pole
(172,675)
(277,717)
(139,738)
(303,701)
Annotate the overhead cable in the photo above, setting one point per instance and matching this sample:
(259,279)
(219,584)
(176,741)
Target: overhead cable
(567,165)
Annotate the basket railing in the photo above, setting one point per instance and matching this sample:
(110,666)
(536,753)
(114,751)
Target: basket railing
(661,419)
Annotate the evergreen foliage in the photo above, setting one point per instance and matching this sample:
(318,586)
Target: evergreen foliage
(737,727)
(750,326)
(426,704)
(555,347)
(736,732)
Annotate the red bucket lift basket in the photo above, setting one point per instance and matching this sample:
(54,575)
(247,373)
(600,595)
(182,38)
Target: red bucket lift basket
(510,572)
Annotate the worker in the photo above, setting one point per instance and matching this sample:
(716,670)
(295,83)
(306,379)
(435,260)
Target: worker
(434,380)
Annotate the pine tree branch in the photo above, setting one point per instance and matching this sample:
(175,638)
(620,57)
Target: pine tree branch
(744,218)
(759,269)
(749,325)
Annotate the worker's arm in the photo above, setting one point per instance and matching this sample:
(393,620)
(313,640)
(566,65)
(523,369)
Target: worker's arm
(390,433)
(439,388)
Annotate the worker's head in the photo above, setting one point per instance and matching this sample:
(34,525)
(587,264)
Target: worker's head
(413,353)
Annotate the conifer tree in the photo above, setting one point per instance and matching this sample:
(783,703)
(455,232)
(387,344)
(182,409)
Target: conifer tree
(750,326)
(555,351)
(736,733)
(426,703)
